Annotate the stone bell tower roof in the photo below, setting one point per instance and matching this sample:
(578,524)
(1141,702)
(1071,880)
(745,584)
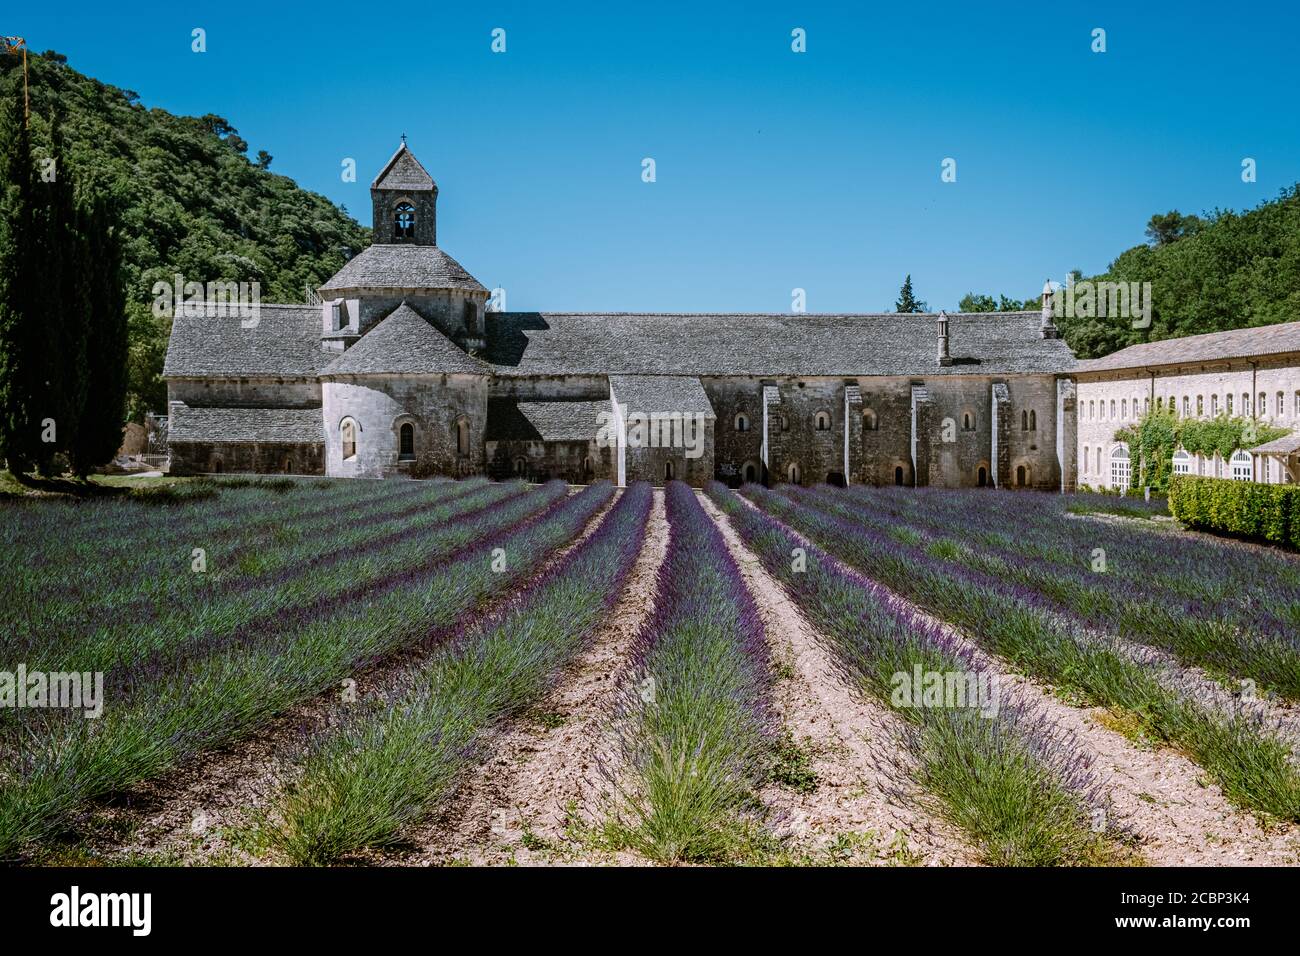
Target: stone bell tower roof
(404,172)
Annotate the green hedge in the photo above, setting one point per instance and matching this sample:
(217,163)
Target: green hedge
(1245,508)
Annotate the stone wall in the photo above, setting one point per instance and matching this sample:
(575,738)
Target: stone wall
(650,464)
(445,310)
(380,405)
(246,392)
(199,458)
(577,462)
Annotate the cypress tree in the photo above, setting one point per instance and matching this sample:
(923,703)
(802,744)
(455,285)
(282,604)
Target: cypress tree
(67,302)
(22,280)
(99,433)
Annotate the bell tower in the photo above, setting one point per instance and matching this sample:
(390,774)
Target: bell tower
(405,202)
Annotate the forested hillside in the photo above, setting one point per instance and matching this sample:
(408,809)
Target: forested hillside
(192,203)
(1225,270)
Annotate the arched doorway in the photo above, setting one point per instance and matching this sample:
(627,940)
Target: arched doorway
(288,466)
(835,479)
(793,474)
(216,467)
(1022,476)
(982,477)
(898,474)
(669,471)
(749,474)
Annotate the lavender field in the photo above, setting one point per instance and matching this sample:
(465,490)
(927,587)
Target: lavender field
(426,673)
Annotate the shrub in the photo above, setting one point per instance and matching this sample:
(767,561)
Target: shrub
(1242,508)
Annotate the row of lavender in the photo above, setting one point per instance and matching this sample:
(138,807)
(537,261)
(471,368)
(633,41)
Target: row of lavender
(989,763)
(131,637)
(362,784)
(1248,758)
(695,732)
(184,704)
(1094,573)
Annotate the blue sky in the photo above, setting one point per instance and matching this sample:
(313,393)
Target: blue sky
(775,170)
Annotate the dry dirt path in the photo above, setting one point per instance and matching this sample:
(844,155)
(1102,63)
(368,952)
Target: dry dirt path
(850,739)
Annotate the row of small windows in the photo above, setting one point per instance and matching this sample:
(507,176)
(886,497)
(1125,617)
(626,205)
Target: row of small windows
(1126,409)
(871,422)
(349,429)
(821,421)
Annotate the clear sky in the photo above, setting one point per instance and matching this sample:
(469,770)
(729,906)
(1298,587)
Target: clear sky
(775,169)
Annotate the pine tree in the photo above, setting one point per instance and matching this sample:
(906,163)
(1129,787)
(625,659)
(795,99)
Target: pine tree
(907,302)
(22,338)
(99,433)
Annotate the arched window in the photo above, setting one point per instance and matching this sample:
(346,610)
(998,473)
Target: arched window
(1182,463)
(1187,406)
(404,221)
(1022,476)
(406,442)
(742,422)
(1281,404)
(1241,466)
(869,421)
(967,422)
(348,434)
(521,466)
(1245,403)
(462,436)
(1033,420)
(587,471)
(783,422)
(1119,467)
(1214,406)
(1261,409)
(668,471)
(1098,469)
(822,421)
(1123,408)
(1092,411)
(1200,405)
(793,473)
(1024,421)
(1227,403)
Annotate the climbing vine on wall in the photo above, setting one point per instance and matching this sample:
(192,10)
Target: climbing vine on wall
(1153,440)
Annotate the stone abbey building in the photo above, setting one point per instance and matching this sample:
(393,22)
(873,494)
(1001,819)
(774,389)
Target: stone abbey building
(401,369)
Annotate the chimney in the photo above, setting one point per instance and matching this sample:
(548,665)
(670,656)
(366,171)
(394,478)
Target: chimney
(1047,328)
(944,358)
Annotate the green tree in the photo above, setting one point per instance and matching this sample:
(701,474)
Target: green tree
(1171,226)
(99,433)
(907,301)
(23,344)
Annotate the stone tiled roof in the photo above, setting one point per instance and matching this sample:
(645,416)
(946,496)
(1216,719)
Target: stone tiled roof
(513,420)
(1286,445)
(649,394)
(192,423)
(984,343)
(403,171)
(1210,347)
(402,266)
(404,344)
(285,343)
